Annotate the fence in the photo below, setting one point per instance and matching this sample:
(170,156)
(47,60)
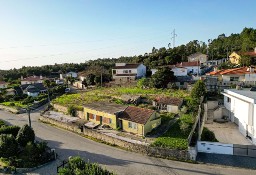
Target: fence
(229,149)
(62,165)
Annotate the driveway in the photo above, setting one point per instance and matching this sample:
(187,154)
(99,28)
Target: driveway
(228,133)
(120,161)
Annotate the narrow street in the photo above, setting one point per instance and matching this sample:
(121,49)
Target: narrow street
(120,161)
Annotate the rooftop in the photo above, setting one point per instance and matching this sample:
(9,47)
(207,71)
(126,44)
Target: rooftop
(169,100)
(237,71)
(137,115)
(107,107)
(241,93)
(127,66)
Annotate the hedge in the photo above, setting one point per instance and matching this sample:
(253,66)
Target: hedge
(10,130)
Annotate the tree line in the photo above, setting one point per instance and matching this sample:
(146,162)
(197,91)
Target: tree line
(217,48)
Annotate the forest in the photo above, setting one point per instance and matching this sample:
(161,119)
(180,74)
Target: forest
(217,48)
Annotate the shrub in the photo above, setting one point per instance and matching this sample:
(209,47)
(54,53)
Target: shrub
(8,146)
(76,165)
(13,130)
(2,123)
(72,111)
(26,134)
(208,135)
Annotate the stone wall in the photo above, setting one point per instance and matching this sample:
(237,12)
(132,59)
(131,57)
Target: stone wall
(12,110)
(64,110)
(143,149)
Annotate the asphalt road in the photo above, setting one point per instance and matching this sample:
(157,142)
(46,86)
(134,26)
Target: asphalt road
(114,159)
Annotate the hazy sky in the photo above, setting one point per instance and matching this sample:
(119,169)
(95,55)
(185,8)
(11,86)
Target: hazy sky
(39,32)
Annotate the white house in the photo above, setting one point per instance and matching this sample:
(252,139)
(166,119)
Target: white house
(241,105)
(202,58)
(69,74)
(124,72)
(32,80)
(3,85)
(192,67)
(180,71)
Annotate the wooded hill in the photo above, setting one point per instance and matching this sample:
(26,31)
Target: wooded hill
(219,47)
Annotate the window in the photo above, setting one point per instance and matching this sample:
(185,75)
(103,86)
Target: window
(110,121)
(132,125)
(130,71)
(228,99)
(125,71)
(114,72)
(129,124)
(234,78)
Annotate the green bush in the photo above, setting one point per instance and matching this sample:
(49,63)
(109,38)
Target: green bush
(26,134)
(72,111)
(76,166)
(13,130)
(2,123)
(208,135)
(8,146)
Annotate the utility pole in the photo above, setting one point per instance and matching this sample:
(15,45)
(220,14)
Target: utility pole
(29,119)
(174,35)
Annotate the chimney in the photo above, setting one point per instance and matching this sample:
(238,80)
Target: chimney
(21,77)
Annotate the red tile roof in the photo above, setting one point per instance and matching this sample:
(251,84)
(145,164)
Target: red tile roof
(236,71)
(169,100)
(127,66)
(32,78)
(249,53)
(137,115)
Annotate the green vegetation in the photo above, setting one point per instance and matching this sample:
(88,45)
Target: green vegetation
(176,136)
(198,91)
(77,166)
(19,149)
(107,94)
(208,135)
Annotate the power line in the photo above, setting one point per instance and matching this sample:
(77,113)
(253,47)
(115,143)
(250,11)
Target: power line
(59,54)
(79,42)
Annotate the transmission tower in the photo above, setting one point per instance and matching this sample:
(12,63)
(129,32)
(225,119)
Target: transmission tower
(174,35)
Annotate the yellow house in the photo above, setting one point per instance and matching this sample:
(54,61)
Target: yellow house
(139,120)
(234,58)
(103,113)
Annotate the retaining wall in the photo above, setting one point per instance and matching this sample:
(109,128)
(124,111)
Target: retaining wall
(64,110)
(143,149)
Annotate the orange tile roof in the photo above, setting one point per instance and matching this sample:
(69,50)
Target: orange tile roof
(236,71)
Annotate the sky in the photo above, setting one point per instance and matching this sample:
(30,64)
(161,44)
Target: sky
(45,32)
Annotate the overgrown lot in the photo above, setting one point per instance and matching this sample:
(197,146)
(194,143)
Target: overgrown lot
(176,137)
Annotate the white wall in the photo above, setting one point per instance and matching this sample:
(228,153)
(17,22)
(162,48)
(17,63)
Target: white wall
(180,71)
(194,69)
(153,71)
(250,77)
(121,71)
(214,147)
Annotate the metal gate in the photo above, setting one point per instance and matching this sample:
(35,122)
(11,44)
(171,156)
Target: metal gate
(244,150)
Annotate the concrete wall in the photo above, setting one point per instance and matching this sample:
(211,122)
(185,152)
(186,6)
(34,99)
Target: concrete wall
(214,147)
(143,149)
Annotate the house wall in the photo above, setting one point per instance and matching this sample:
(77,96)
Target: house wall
(30,82)
(193,69)
(241,111)
(153,122)
(153,71)
(113,123)
(121,71)
(202,58)
(180,71)
(250,77)
(78,84)
(226,78)
(139,130)
(173,109)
